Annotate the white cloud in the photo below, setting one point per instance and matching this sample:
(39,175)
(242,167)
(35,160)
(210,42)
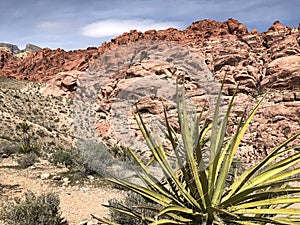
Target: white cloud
(111,27)
(49,25)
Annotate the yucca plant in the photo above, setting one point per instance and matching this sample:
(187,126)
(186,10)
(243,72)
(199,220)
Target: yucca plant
(27,143)
(202,195)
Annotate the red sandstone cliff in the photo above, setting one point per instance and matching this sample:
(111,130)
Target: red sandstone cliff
(251,58)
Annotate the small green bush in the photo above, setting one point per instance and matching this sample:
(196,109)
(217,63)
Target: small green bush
(71,159)
(27,160)
(8,150)
(33,210)
(119,152)
(67,158)
(27,146)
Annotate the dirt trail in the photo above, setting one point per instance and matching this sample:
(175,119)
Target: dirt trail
(77,201)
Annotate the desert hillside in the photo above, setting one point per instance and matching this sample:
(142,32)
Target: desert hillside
(66,96)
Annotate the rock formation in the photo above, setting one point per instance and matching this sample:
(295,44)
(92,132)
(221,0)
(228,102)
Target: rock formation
(31,48)
(5,55)
(227,47)
(62,84)
(256,61)
(13,48)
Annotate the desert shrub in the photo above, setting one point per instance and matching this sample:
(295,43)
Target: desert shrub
(8,150)
(96,157)
(205,189)
(69,158)
(74,160)
(33,210)
(28,159)
(26,146)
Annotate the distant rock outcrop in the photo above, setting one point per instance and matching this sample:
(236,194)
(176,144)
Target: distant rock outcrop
(13,48)
(32,48)
(63,83)
(5,55)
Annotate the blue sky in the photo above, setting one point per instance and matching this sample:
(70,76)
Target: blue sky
(78,24)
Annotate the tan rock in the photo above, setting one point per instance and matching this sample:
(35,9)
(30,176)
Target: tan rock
(62,84)
(283,73)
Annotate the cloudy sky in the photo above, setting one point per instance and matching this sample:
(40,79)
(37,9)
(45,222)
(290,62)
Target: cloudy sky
(78,24)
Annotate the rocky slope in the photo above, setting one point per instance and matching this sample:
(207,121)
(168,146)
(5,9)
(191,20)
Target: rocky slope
(49,117)
(256,61)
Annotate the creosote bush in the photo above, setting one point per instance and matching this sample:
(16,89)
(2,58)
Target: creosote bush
(33,210)
(8,150)
(28,159)
(119,152)
(69,158)
(72,159)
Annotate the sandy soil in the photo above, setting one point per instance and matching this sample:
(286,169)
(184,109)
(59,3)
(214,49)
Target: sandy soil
(78,201)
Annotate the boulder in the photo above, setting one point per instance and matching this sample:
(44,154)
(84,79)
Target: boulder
(283,73)
(63,84)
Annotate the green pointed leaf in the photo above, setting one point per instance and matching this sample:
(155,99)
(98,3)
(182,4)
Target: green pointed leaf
(176,216)
(226,212)
(104,221)
(269,211)
(235,142)
(161,189)
(159,153)
(271,172)
(253,195)
(124,211)
(243,222)
(217,142)
(255,220)
(176,209)
(236,186)
(287,220)
(187,142)
(274,201)
(147,193)
(165,221)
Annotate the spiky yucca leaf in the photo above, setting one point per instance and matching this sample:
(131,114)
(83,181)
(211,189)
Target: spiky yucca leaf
(259,196)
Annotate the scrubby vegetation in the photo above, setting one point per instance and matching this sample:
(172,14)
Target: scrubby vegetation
(28,159)
(27,143)
(69,158)
(49,117)
(33,210)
